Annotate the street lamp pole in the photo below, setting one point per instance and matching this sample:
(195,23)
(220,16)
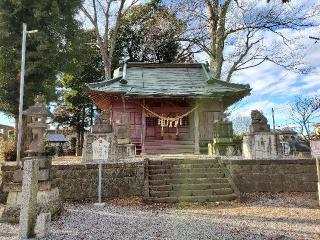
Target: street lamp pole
(23,62)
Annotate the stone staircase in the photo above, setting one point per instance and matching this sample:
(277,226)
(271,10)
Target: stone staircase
(168,146)
(188,180)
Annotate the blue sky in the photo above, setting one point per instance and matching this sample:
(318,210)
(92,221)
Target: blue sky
(273,87)
(6,120)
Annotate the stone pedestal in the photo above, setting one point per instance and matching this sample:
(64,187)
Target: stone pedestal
(43,225)
(125,150)
(223,144)
(122,132)
(48,197)
(260,145)
(120,146)
(28,213)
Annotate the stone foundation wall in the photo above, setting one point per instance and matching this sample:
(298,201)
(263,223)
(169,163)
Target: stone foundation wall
(80,182)
(274,175)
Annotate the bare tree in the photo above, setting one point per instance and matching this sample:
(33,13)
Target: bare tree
(106,16)
(241,124)
(233,32)
(304,112)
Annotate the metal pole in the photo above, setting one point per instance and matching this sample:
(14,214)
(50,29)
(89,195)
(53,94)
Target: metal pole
(100,183)
(23,61)
(274,125)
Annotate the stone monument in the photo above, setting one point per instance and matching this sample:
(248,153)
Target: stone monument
(101,129)
(118,138)
(124,146)
(102,124)
(260,143)
(48,197)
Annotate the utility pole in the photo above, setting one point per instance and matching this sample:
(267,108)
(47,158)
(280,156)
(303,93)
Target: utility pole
(274,125)
(23,62)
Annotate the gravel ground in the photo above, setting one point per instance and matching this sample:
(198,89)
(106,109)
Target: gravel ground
(257,216)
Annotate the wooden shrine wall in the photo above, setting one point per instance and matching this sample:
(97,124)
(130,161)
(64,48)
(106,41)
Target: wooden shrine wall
(131,112)
(128,113)
(209,112)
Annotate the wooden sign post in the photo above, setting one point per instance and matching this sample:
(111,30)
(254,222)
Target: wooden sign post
(100,150)
(315,151)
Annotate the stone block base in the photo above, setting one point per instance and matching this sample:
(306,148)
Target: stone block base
(260,146)
(48,201)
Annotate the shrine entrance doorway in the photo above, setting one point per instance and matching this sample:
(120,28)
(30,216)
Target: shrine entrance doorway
(154,130)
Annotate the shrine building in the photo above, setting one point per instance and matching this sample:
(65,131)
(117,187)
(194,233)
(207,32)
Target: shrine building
(169,108)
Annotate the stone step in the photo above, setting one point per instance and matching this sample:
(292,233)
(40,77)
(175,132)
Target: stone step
(184,166)
(194,161)
(213,198)
(186,176)
(168,151)
(168,142)
(208,192)
(184,170)
(169,147)
(200,186)
(160,182)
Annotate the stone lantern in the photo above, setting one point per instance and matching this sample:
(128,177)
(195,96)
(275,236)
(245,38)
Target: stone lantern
(48,196)
(39,114)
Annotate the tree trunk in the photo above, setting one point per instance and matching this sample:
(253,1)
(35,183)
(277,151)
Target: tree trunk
(217,14)
(78,149)
(91,114)
(82,140)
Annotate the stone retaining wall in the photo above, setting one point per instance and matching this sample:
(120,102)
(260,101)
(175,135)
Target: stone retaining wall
(79,182)
(274,175)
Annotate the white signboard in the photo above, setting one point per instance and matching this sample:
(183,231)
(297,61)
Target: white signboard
(100,150)
(315,148)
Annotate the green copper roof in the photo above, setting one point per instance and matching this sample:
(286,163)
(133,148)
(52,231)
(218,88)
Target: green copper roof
(169,80)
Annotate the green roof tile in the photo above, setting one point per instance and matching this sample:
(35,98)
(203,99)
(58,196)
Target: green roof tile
(169,80)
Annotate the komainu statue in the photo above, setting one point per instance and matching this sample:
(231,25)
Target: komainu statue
(259,122)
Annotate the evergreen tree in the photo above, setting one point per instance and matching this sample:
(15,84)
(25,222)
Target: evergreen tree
(75,110)
(45,58)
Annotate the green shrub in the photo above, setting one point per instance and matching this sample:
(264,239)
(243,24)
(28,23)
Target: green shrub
(50,151)
(73,143)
